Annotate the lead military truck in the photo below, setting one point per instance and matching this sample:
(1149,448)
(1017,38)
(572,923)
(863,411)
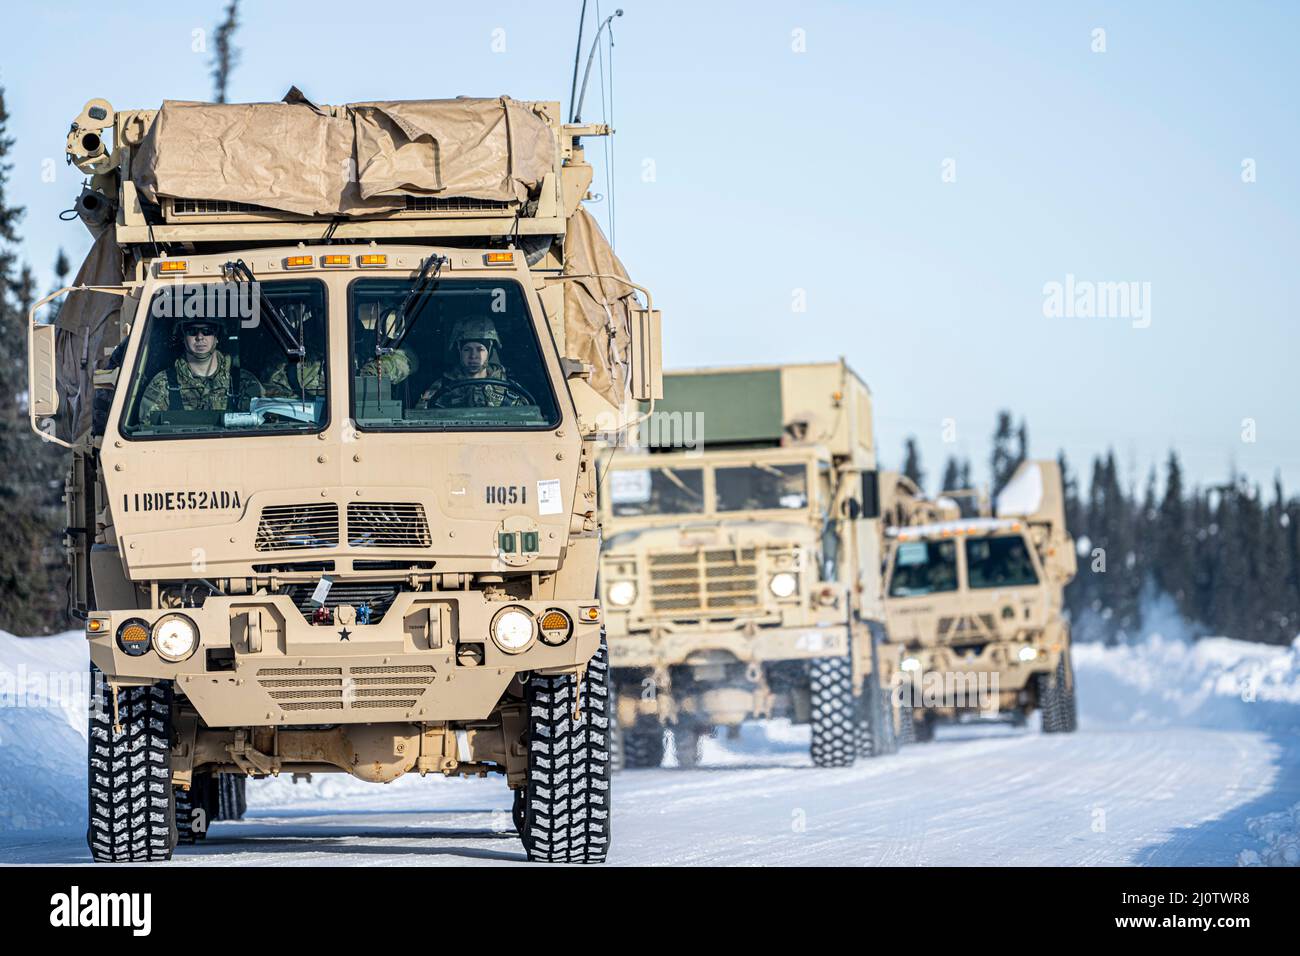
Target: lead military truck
(974,602)
(741,565)
(307,533)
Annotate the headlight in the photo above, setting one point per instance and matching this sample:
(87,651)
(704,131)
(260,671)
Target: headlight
(783,584)
(911,664)
(512,630)
(175,637)
(1028,653)
(622,593)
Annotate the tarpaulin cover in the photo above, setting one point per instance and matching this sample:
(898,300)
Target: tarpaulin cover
(343,161)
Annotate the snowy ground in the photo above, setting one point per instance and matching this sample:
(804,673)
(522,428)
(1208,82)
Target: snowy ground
(1186,754)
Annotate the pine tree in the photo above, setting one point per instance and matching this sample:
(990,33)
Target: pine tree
(31,573)
(227,54)
(912,462)
(951,475)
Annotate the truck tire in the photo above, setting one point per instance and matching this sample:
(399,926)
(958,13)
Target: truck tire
(1067,718)
(1048,702)
(686,744)
(875,730)
(643,745)
(232,796)
(834,718)
(194,809)
(617,759)
(131,806)
(567,808)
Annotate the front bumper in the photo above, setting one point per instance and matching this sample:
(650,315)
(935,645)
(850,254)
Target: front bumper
(273,668)
(755,646)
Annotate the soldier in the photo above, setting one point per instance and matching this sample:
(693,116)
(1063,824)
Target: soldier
(201,379)
(476,349)
(308,376)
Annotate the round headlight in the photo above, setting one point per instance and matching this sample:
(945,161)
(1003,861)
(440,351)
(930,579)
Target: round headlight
(512,630)
(622,593)
(783,584)
(1028,653)
(175,637)
(911,664)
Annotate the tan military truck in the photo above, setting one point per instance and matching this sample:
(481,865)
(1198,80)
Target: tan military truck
(741,563)
(332,379)
(974,601)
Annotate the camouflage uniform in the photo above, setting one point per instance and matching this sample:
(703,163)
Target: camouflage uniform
(394,367)
(466,396)
(199,393)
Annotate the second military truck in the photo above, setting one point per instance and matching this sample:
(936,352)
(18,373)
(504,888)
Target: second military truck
(741,563)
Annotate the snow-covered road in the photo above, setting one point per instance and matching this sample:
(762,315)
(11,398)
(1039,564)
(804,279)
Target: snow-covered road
(1152,790)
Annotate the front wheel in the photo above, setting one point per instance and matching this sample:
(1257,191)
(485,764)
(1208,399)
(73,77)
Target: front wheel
(834,721)
(565,815)
(132,810)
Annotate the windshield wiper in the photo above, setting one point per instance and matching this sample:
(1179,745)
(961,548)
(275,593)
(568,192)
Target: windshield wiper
(406,318)
(287,334)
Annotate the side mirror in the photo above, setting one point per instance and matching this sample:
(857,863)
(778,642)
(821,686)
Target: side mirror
(870,495)
(43,397)
(647,378)
(852,508)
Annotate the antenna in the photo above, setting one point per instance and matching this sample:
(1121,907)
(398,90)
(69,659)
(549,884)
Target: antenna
(577,54)
(577,109)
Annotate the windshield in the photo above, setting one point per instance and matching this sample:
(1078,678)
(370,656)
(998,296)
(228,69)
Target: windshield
(761,487)
(468,358)
(924,567)
(656,491)
(1002,562)
(209,364)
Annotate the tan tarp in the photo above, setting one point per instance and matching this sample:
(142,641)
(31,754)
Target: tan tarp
(597,312)
(83,321)
(362,158)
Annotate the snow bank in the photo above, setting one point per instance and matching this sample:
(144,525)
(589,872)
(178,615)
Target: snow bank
(44,691)
(1214,682)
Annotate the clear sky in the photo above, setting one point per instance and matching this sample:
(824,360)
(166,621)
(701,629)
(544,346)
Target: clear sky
(892,182)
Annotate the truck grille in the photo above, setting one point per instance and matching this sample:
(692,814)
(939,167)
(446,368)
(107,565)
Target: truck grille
(294,527)
(387,525)
(704,581)
(455,204)
(378,594)
(363,687)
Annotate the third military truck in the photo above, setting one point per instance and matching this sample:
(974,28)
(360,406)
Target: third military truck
(741,566)
(974,603)
(331,380)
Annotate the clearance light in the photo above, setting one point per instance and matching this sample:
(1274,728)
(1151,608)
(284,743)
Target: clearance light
(590,614)
(336,260)
(172,266)
(94,626)
(297,262)
(373,259)
(499,258)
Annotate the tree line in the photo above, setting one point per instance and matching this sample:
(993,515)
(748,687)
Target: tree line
(1225,557)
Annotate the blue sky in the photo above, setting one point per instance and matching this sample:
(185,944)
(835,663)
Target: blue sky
(750,177)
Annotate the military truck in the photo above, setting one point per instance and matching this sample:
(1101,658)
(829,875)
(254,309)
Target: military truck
(973,597)
(332,379)
(741,565)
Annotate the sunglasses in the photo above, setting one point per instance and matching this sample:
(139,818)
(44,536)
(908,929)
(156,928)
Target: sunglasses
(200,330)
